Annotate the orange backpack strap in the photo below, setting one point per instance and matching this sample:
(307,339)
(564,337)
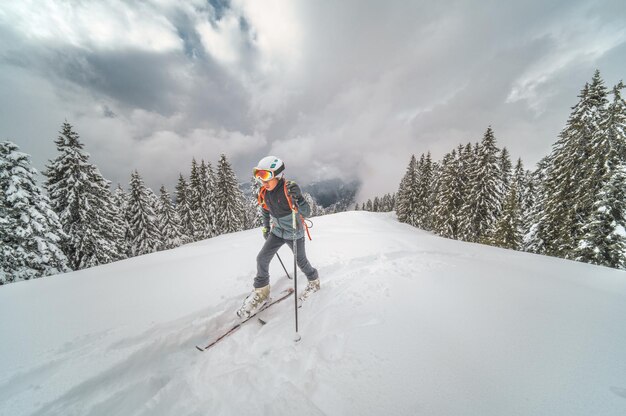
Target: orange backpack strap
(295,208)
(289,201)
(261,198)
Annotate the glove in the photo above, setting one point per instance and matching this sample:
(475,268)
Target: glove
(266,232)
(294,190)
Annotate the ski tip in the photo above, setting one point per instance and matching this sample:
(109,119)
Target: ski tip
(297,338)
(262,322)
(199,348)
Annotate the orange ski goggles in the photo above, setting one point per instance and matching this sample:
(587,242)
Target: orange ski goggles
(263,175)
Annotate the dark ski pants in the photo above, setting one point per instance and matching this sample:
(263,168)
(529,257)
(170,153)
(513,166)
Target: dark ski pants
(265,256)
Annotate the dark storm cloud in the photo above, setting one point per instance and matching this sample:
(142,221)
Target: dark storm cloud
(339,89)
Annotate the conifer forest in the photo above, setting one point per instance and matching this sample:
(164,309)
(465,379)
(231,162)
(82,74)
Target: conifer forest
(572,205)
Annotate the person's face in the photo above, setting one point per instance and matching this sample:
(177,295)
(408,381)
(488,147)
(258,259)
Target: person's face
(271,184)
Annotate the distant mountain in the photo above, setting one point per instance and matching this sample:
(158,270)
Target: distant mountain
(333,192)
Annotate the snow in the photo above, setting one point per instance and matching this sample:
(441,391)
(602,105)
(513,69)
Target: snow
(405,323)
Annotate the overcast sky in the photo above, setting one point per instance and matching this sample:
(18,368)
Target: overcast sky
(345,89)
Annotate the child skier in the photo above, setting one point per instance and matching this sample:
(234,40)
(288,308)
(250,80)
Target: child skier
(277,198)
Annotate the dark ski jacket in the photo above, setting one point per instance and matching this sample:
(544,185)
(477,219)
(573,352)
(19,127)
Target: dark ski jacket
(278,213)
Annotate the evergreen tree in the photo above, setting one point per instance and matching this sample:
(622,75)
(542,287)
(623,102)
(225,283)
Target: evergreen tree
(448,200)
(484,201)
(146,237)
(229,199)
(316,209)
(571,181)
(604,238)
(425,192)
(209,203)
(185,212)
(604,235)
(120,201)
(519,180)
(467,172)
(196,194)
(525,189)
(370,206)
(169,222)
(83,201)
(507,231)
(376,205)
(29,230)
(253,209)
(505,171)
(387,204)
(407,197)
(535,196)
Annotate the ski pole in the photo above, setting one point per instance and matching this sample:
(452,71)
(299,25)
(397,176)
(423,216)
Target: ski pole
(284,268)
(295,270)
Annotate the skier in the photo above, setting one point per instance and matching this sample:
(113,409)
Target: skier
(277,198)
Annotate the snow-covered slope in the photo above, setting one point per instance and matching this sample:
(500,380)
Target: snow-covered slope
(406,323)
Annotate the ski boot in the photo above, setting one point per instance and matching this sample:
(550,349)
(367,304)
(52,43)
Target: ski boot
(311,287)
(254,302)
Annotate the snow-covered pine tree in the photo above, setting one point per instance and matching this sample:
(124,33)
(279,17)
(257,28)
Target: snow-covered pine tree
(504,161)
(154,199)
(466,171)
(183,207)
(169,222)
(448,200)
(507,230)
(535,197)
(519,179)
(81,197)
(201,223)
(142,220)
(571,182)
(483,204)
(604,236)
(228,198)
(316,209)
(387,204)
(120,201)
(253,210)
(420,208)
(426,180)
(117,233)
(525,189)
(407,196)
(29,229)
(369,207)
(376,204)
(209,204)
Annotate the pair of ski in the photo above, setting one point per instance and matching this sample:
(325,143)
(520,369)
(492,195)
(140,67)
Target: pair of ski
(287,293)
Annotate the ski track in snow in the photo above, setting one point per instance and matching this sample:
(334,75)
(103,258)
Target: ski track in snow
(405,323)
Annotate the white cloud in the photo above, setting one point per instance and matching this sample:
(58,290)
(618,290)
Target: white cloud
(576,40)
(92,24)
(224,41)
(276,31)
(165,152)
(348,89)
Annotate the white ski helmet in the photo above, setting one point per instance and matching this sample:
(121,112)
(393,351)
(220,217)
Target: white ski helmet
(272,164)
